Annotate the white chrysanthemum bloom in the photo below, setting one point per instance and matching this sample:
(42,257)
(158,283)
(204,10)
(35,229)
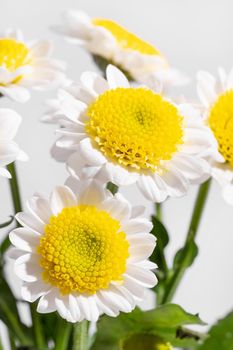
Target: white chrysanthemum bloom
(108,40)
(9,150)
(83,253)
(131,135)
(27,64)
(216,96)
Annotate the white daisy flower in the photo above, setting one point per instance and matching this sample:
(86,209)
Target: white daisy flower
(9,150)
(216,95)
(107,40)
(26,64)
(83,253)
(131,135)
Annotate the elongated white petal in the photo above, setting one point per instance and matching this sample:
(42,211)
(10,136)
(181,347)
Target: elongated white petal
(62,197)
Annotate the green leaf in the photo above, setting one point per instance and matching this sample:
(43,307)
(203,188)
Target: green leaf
(164,322)
(186,255)
(160,232)
(220,335)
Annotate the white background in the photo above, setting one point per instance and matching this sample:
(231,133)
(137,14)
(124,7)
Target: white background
(193,34)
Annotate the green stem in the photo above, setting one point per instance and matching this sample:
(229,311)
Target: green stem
(16,326)
(1,346)
(160,248)
(81,336)
(191,234)
(112,187)
(37,328)
(63,335)
(158,208)
(14,187)
(12,342)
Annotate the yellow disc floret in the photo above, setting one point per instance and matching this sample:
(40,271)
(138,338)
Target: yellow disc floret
(82,250)
(13,54)
(125,39)
(221,123)
(135,127)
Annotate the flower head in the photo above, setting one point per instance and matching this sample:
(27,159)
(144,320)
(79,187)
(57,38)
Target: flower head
(9,150)
(109,42)
(83,253)
(24,65)
(216,96)
(126,134)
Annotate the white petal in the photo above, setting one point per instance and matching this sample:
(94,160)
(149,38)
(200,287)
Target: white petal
(27,268)
(9,151)
(16,93)
(176,183)
(118,207)
(32,291)
(4,172)
(152,187)
(9,123)
(31,222)
(90,154)
(92,194)
(62,197)
(116,78)
(24,239)
(41,208)
(88,307)
(41,48)
(47,303)
(94,83)
(71,107)
(136,226)
(142,276)
(120,176)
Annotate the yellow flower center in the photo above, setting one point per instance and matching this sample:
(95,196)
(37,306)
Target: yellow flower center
(125,39)
(135,127)
(221,123)
(13,54)
(82,250)
(145,342)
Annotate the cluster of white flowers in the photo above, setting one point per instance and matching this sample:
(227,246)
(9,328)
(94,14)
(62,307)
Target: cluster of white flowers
(84,251)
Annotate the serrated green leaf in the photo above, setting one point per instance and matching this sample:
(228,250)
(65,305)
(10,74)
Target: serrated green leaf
(163,322)
(220,335)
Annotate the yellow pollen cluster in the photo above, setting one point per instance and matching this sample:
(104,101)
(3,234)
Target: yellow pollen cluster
(125,39)
(13,54)
(135,127)
(82,250)
(221,123)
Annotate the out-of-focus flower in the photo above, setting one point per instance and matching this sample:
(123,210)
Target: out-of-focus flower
(216,96)
(9,150)
(27,64)
(109,42)
(129,135)
(83,252)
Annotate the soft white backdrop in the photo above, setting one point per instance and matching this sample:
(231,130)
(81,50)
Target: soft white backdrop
(193,34)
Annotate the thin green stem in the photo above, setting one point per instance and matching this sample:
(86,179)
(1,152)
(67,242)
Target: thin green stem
(1,346)
(15,325)
(37,328)
(14,187)
(63,335)
(12,342)
(81,336)
(160,248)
(159,214)
(191,235)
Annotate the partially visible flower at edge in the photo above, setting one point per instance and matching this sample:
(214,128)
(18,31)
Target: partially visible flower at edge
(26,65)
(107,41)
(123,134)
(83,252)
(9,150)
(216,95)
